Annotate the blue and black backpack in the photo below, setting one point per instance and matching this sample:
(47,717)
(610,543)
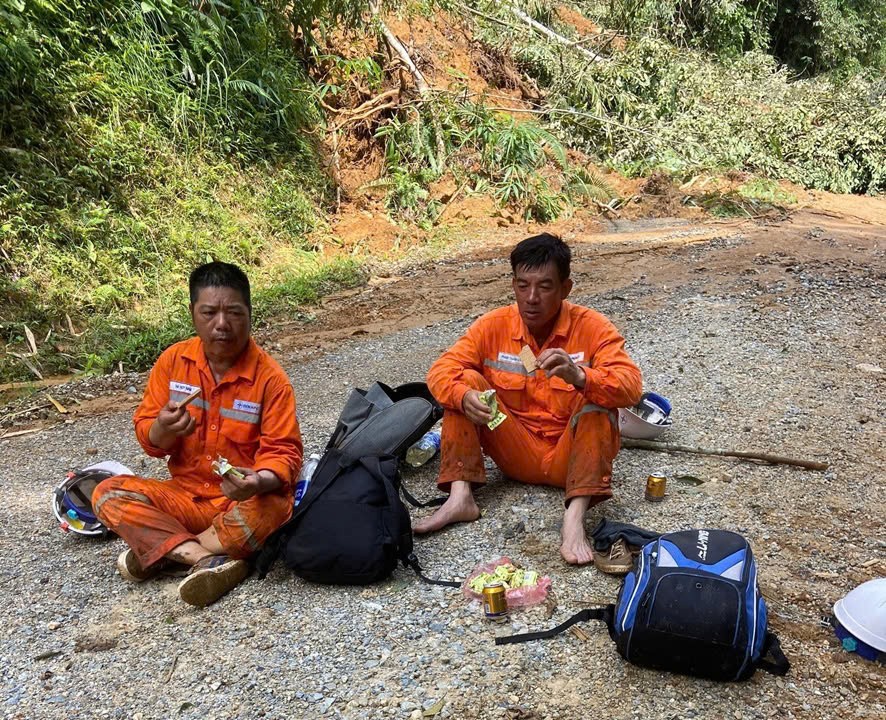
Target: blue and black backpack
(690,605)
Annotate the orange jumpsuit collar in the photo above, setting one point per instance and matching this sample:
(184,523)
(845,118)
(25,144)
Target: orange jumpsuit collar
(561,328)
(244,368)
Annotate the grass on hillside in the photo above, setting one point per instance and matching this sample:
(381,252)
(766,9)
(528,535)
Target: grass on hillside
(138,141)
(135,338)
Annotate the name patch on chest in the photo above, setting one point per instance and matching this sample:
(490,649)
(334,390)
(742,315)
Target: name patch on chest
(181,387)
(509,358)
(577,357)
(247,407)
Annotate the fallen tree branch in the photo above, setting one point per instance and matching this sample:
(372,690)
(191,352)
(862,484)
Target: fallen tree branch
(765,457)
(556,37)
(574,113)
(364,109)
(458,191)
(400,50)
(607,207)
(491,18)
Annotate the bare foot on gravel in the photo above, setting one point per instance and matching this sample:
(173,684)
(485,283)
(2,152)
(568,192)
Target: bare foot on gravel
(575,549)
(460,507)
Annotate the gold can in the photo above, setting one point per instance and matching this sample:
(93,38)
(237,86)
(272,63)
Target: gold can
(655,487)
(495,602)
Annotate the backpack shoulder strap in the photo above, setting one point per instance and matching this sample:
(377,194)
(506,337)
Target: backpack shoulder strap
(779,664)
(410,498)
(606,614)
(411,562)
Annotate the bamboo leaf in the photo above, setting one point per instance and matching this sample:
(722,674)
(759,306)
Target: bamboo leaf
(58,406)
(435,708)
(32,343)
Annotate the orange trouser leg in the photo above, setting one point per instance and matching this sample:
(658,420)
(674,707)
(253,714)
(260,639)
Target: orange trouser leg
(516,451)
(585,452)
(244,526)
(580,461)
(153,517)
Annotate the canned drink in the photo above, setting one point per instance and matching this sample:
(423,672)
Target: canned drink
(655,487)
(495,603)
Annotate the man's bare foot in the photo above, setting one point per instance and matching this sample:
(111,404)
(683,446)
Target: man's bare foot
(459,507)
(575,548)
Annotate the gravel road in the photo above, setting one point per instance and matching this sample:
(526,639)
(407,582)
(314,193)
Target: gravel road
(760,352)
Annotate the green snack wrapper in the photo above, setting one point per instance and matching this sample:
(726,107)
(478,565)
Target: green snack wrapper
(221,467)
(498,417)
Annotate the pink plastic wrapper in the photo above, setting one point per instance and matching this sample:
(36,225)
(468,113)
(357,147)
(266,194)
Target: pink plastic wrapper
(517,597)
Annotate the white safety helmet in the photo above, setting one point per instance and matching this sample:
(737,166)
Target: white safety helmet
(72,499)
(863,614)
(648,419)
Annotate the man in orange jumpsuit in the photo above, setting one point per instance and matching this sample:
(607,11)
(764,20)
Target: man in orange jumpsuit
(245,413)
(562,423)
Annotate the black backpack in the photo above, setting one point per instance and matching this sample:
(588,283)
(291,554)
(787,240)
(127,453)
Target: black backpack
(351,528)
(690,605)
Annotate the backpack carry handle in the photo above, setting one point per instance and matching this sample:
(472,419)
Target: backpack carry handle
(606,614)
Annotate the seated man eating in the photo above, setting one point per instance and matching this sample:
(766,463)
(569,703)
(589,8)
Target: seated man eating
(245,412)
(562,425)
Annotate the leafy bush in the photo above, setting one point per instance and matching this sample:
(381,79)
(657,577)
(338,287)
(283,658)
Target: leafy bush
(523,165)
(811,36)
(656,106)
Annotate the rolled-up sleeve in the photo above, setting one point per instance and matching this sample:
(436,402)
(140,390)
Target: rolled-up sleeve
(280,446)
(155,398)
(445,376)
(613,380)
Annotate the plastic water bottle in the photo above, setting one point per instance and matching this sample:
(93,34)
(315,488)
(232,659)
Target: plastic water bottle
(424,449)
(304,477)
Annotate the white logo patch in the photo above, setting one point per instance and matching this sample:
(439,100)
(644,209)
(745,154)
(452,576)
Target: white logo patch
(702,544)
(248,407)
(509,358)
(577,357)
(181,387)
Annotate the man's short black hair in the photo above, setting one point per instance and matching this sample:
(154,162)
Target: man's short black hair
(539,250)
(219,274)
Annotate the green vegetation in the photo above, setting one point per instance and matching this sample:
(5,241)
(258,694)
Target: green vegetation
(810,36)
(140,139)
(136,141)
(520,163)
(657,105)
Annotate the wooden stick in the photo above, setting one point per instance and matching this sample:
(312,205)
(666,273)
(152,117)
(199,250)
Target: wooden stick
(26,410)
(765,457)
(17,433)
(34,383)
(171,669)
(190,397)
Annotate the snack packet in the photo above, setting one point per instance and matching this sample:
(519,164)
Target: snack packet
(522,587)
(221,467)
(498,417)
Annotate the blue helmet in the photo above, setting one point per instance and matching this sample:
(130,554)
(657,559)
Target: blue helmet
(72,499)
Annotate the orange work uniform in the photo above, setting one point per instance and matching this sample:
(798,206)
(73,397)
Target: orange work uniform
(555,433)
(248,417)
